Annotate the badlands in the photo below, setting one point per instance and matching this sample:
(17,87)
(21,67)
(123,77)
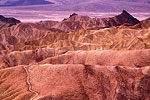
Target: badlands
(79,58)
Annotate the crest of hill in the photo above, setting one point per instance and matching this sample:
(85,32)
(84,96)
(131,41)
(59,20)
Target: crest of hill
(145,24)
(77,22)
(59,34)
(7,22)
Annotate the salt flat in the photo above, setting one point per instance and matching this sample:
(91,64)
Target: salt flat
(37,15)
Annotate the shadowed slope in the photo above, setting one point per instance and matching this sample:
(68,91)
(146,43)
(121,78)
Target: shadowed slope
(145,24)
(76,22)
(7,22)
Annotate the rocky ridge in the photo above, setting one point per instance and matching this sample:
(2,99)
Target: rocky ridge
(77,22)
(7,22)
(41,62)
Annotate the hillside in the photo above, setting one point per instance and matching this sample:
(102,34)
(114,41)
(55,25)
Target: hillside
(7,22)
(77,22)
(79,58)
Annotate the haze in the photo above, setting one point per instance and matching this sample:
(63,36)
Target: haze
(37,10)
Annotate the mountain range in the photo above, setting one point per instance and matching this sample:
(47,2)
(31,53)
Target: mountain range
(23,2)
(78,58)
(80,5)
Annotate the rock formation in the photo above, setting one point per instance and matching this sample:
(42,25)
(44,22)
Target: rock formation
(7,22)
(79,58)
(143,24)
(77,22)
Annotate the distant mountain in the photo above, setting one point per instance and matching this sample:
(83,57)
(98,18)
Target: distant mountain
(33,31)
(80,5)
(136,1)
(88,1)
(97,5)
(145,24)
(23,2)
(7,22)
(77,22)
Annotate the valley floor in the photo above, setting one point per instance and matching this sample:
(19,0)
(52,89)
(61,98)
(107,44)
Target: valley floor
(35,15)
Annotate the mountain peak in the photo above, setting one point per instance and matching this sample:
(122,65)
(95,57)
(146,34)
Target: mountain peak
(125,12)
(127,17)
(74,14)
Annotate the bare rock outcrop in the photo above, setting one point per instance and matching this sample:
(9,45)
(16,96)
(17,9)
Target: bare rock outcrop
(77,22)
(7,22)
(145,24)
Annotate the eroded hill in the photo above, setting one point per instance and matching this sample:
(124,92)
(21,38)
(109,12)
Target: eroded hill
(7,22)
(79,58)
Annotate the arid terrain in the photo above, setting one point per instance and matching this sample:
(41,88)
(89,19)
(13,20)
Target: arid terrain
(78,58)
(38,15)
(37,10)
